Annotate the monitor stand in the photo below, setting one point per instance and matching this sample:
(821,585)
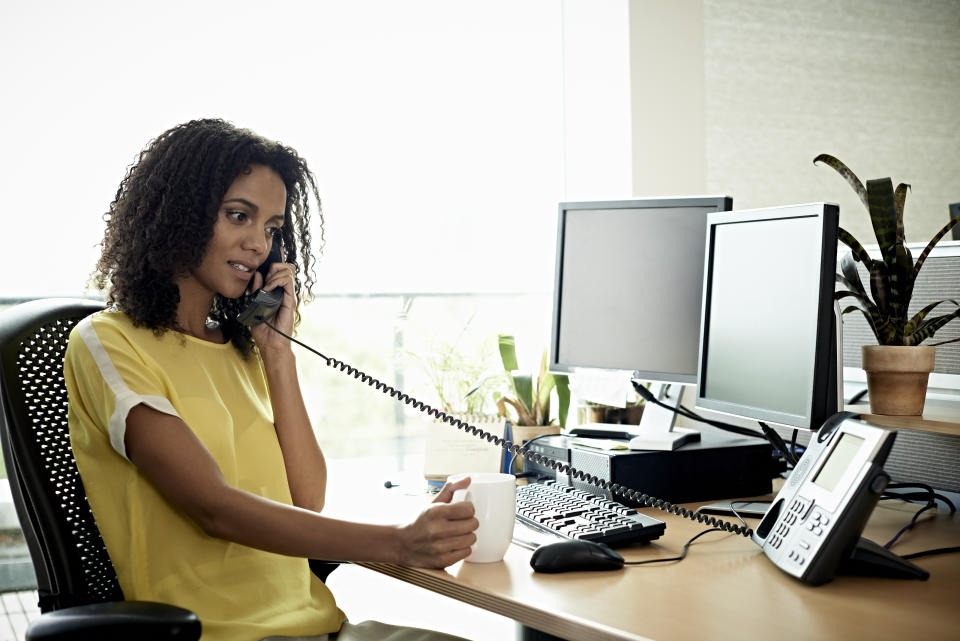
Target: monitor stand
(657,429)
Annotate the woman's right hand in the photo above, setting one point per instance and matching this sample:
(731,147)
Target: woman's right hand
(442,534)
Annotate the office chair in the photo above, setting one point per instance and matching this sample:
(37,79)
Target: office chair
(80,597)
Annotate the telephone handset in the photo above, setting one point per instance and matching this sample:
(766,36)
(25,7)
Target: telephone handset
(264,304)
(812,529)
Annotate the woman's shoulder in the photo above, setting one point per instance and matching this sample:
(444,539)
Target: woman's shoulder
(113,321)
(111,327)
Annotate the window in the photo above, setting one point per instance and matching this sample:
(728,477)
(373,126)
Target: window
(433,127)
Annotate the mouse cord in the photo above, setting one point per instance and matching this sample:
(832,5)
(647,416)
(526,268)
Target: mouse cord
(642,499)
(683,552)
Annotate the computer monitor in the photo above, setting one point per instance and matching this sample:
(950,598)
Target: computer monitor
(629,277)
(768,340)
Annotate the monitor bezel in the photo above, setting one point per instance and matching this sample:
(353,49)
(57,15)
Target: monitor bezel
(822,401)
(720,202)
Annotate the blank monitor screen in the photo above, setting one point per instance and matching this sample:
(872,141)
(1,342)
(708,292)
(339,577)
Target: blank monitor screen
(628,286)
(768,315)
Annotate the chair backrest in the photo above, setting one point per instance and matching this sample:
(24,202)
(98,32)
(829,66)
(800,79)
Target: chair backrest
(69,557)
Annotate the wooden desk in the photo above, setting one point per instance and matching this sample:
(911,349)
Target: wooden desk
(724,589)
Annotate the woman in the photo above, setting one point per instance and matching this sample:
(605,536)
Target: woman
(189,429)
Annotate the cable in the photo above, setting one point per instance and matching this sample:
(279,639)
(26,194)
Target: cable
(777,441)
(916,555)
(858,396)
(768,433)
(513,457)
(930,495)
(737,514)
(683,552)
(682,411)
(640,498)
(908,526)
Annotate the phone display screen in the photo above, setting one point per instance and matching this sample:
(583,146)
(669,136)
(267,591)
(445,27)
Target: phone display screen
(839,460)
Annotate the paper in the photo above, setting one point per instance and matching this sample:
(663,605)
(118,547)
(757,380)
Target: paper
(606,388)
(450,450)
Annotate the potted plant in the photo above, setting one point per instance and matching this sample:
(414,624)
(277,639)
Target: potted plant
(898,366)
(527,407)
(591,412)
(452,370)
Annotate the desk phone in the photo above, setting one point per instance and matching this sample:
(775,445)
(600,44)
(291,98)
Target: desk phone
(812,529)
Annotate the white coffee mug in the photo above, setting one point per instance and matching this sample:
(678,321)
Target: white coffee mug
(494,498)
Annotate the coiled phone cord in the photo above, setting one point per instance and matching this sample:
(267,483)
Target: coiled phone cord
(644,500)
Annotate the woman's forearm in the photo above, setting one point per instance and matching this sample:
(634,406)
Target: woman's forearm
(267,525)
(302,456)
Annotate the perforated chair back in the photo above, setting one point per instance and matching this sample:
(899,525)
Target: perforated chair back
(69,557)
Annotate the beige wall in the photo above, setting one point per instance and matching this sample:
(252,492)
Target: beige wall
(739,97)
(668,103)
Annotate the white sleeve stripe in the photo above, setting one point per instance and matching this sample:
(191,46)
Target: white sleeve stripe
(126,399)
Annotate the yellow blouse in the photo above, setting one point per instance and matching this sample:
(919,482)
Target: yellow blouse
(239,593)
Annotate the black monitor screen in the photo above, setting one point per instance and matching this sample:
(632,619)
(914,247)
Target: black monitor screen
(628,288)
(768,343)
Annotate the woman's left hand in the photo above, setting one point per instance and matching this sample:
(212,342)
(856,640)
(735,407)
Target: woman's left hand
(281,275)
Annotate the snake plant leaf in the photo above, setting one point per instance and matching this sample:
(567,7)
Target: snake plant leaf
(847,175)
(545,385)
(929,327)
(859,253)
(914,323)
(508,352)
(900,196)
(848,268)
(847,285)
(854,308)
(900,281)
(903,281)
(523,388)
(522,384)
(859,298)
(879,285)
(523,415)
(933,241)
(862,302)
(562,382)
(883,216)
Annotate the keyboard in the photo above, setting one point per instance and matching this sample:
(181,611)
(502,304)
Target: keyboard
(574,514)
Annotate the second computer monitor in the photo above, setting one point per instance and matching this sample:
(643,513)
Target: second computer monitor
(629,277)
(768,345)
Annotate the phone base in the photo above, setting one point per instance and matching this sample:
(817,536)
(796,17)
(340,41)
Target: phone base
(870,559)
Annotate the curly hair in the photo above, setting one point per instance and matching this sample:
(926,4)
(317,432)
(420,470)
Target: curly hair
(162,218)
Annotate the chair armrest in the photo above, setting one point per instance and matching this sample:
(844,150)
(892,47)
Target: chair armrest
(322,569)
(116,620)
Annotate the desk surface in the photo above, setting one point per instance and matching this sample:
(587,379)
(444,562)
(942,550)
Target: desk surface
(724,589)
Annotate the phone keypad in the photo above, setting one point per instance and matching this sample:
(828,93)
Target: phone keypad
(795,511)
(818,520)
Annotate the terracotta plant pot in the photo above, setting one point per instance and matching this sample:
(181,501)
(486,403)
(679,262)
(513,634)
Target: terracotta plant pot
(897,377)
(615,415)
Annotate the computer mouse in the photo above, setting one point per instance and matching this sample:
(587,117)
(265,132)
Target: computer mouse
(571,556)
